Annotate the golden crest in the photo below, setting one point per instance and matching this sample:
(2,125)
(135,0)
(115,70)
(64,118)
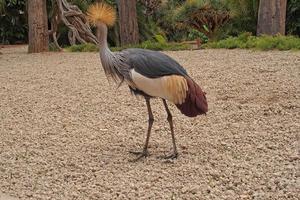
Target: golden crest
(101,12)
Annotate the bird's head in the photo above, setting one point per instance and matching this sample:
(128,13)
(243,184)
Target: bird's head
(101,14)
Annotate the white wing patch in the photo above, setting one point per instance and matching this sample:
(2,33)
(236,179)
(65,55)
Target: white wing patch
(173,87)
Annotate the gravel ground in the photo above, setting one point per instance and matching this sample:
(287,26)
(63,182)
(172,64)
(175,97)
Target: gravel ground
(65,132)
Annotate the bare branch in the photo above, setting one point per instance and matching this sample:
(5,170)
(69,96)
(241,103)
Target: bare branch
(71,16)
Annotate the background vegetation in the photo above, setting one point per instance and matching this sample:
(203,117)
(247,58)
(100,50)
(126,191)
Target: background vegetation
(170,21)
(247,41)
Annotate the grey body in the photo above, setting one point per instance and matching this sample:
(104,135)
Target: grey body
(151,64)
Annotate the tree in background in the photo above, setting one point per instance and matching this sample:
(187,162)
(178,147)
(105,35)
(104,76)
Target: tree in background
(271,17)
(154,17)
(38,26)
(129,31)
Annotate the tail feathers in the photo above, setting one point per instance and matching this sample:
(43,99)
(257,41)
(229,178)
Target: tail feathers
(195,102)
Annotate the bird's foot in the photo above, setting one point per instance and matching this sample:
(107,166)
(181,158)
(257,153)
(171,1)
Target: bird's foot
(140,155)
(172,156)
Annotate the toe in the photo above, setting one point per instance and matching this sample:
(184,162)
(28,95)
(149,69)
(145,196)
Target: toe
(172,156)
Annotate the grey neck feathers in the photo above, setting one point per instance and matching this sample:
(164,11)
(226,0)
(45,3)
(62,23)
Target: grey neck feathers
(110,61)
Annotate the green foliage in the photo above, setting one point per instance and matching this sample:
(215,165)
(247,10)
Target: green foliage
(243,18)
(293,17)
(278,42)
(162,47)
(205,16)
(160,39)
(13,22)
(147,25)
(83,48)
(158,43)
(173,20)
(149,44)
(247,41)
(182,12)
(2,6)
(195,34)
(165,17)
(84,4)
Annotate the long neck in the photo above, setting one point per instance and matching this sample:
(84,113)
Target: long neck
(102,38)
(108,59)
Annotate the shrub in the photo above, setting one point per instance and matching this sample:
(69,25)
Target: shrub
(149,44)
(160,39)
(247,41)
(195,34)
(278,42)
(206,16)
(147,25)
(165,17)
(163,47)
(83,48)
(243,18)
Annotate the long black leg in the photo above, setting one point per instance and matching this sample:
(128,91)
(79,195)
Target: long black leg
(145,152)
(170,120)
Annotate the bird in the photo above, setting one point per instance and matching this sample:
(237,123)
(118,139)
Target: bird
(150,74)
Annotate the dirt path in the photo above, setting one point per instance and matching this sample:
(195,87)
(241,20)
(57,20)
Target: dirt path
(65,132)
(6,197)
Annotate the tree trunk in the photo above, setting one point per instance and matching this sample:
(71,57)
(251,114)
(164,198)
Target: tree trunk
(38,26)
(271,17)
(129,31)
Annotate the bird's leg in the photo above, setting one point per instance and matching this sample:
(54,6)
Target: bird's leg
(145,152)
(170,120)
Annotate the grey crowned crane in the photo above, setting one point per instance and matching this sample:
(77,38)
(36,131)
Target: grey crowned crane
(147,73)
